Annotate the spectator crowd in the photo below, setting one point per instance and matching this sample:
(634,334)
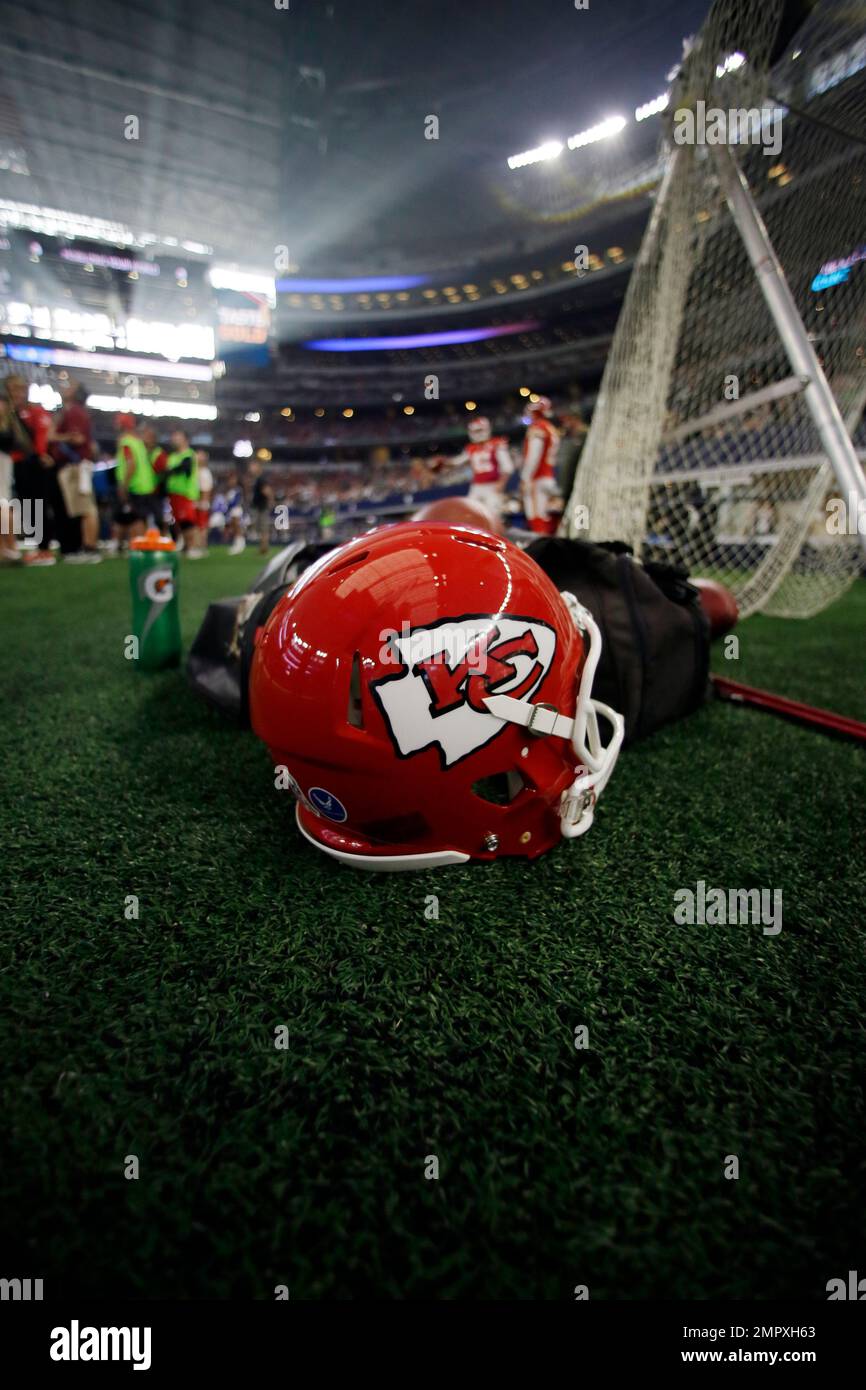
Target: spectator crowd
(64,497)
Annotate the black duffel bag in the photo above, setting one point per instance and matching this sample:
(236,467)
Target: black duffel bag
(655,656)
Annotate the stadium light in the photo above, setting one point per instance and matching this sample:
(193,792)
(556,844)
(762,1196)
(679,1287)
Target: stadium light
(730,64)
(418,340)
(170,340)
(55,222)
(144,405)
(243,281)
(89,330)
(58,222)
(652,108)
(108,362)
(549,150)
(41,393)
(612,126)
(356,285)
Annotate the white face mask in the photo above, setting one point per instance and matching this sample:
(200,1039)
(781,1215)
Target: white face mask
(598,760)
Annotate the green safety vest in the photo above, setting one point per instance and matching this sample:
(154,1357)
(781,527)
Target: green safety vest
(184,484)
(143,480)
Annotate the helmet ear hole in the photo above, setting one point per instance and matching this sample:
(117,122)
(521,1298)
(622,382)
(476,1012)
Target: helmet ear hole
(501,788)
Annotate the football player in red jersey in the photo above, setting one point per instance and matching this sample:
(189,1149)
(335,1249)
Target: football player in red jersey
(492,466)
(539,490)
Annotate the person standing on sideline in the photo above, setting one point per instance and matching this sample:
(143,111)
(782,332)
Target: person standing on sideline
(158,456)
(24,430)
(262,503)
(539,491)
(155,452)
(182,487)
(135,481)
(574,433)
(9,552)
(73,447)
(235,515)
(205,497)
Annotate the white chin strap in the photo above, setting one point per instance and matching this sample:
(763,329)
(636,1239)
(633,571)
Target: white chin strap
(577,807)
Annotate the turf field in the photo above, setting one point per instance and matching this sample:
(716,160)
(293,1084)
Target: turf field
(411,1037)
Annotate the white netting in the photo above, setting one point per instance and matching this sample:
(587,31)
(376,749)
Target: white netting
(702,448)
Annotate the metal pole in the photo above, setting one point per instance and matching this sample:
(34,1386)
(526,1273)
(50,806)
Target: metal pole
(804,362)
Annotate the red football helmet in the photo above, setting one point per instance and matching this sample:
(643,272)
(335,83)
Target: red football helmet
(479,429)
(542,406)
(427,690)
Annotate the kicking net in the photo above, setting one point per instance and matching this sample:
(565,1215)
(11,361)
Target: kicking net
(703,448)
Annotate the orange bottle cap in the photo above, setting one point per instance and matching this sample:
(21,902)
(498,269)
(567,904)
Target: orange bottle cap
(152,540)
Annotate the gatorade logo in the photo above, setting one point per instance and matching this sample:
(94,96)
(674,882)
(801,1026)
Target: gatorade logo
(158,586)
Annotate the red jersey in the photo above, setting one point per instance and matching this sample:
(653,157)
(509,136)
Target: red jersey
(75,419)
(37,423)
(540,448)
(490,460)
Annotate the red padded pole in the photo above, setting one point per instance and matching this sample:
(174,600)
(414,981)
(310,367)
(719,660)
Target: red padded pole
(790,709)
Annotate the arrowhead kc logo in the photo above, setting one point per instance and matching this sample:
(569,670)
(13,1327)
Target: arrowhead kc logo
(446,671)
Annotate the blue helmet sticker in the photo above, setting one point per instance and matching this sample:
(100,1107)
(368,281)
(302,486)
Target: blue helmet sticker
(326,804)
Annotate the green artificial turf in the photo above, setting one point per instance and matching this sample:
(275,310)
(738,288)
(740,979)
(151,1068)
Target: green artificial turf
(411,1037)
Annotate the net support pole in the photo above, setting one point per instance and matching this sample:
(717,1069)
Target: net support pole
(804,361)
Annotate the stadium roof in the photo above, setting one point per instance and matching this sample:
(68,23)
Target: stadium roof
(303,127)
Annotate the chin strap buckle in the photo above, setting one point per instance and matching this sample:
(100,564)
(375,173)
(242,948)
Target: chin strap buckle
(577,810)
(542,720)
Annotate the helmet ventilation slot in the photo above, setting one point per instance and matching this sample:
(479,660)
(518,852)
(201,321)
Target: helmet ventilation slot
(347,561)
(479,539)
(355,711)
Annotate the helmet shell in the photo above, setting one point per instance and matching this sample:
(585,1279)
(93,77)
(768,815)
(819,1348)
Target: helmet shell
(368,683)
